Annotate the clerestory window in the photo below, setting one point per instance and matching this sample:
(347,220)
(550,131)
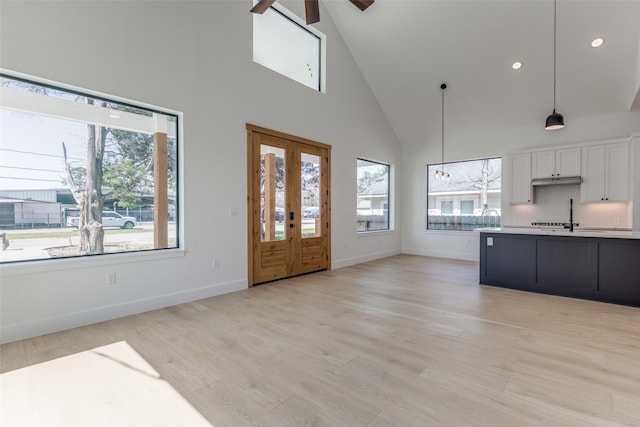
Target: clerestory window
(284,44)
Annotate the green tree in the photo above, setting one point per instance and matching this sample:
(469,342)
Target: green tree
(128,166)
(367,180)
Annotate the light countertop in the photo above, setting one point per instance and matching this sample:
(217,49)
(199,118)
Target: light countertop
(618,234)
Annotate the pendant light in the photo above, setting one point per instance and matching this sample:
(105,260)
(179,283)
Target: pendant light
(555,119)
(441,175)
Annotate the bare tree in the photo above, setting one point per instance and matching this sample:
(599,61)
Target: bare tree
(90,199)
(484,188)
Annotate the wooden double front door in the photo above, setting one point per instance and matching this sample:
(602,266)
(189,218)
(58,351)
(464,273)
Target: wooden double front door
(289,205)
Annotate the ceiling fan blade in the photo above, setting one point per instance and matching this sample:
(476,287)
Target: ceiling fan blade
(312,11)
(362,4)
(262,6)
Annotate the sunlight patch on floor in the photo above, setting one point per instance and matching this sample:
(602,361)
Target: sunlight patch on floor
(107,386)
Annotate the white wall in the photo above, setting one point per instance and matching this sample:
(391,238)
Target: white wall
(635,93)
(635,187)
(552,205)
(196,58)
(499,142)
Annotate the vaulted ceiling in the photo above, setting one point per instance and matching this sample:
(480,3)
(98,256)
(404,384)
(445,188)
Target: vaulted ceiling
(407,48)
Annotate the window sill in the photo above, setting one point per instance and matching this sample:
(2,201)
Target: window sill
(373,232)
(79,263)
(451,232)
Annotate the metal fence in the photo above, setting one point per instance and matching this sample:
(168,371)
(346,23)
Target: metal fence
(140,214)
(33,220)
(372,222)
(462,222)
(59,220)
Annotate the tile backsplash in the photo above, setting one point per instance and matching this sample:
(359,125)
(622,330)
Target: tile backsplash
(552,205)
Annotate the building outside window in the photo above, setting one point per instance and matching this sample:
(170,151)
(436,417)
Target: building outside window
(470,199)
(446,207)
(466,207)
(83,175)
(373,191)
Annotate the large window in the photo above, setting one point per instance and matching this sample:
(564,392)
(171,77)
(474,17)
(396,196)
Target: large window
(282,43)
(373,182)
(83,175)
(468,199)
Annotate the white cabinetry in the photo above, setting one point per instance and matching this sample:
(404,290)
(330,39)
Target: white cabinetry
(605,173)
(555,163)
(520,175)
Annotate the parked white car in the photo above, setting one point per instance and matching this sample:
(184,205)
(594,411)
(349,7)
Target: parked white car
(311,212)
(109,219)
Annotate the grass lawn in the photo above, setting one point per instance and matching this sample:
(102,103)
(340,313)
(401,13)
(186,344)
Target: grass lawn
(64,233)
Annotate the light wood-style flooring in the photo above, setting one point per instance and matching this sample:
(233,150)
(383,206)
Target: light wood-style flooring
(402,341)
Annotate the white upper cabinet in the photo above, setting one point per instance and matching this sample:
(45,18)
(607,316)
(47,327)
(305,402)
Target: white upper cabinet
(543,164)
(568,162)
(520,176)
(605,173)
(555,163)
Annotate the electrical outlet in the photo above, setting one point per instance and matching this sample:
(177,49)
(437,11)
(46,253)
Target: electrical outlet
(616,222)
(111,278)
(216,263)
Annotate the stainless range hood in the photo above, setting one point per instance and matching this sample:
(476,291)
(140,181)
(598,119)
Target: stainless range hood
(560,180)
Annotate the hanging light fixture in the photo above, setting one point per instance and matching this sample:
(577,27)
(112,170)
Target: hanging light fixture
(555,119)
(441,175)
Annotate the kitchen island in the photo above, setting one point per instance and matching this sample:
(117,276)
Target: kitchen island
(591,264)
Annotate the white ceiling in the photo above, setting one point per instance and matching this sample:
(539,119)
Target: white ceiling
(407,48)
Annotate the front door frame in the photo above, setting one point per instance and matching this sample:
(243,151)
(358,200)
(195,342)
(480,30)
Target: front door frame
(254,205)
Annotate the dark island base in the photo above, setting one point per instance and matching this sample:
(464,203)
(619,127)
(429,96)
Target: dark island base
(599,269)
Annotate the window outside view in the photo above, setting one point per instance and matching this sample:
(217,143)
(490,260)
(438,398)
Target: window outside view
(373,196)
(273,194)
(287,47)
(77,174)
(469,199)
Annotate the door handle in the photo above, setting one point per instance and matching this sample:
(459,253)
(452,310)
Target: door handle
(290,216)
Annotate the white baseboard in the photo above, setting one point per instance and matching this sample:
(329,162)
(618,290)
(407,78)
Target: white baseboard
(33,328)
(463,256)
(364,258)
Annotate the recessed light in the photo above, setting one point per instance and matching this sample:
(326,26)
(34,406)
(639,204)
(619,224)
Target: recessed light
(516,65)
(597,42)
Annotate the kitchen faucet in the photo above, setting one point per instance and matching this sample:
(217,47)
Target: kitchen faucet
(571,215)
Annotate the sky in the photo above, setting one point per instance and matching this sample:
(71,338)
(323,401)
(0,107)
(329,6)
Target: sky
(31,150)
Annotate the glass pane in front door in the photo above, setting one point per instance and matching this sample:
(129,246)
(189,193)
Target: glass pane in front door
(272,193)
(310,196)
